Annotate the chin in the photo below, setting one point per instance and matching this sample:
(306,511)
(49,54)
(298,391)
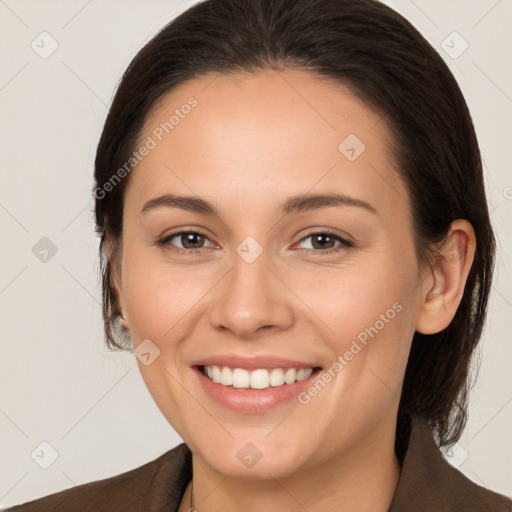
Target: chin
(254,457)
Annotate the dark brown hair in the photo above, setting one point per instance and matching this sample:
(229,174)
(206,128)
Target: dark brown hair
(386,62)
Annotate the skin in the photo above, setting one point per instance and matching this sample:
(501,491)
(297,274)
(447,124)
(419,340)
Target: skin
(252,141)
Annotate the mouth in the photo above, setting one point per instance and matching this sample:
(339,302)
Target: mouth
(258,379)
(255,389)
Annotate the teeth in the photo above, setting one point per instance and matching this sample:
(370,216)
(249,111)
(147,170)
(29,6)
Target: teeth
(226,377)
(256,379)
(240,377)
(260,379)
(290,376)
(276,377)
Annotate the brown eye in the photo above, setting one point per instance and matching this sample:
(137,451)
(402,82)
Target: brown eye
(324,243)
(191,242)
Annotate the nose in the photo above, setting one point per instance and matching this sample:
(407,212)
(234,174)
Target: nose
(251,299)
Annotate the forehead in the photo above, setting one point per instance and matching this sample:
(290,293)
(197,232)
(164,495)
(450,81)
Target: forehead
(266,134)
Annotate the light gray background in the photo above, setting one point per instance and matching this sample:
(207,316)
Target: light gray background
(58,383)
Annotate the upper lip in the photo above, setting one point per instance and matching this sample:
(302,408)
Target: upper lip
(252,362)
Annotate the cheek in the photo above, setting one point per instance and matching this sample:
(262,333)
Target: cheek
(160,300)
(370,312)
(164,295)
(364,294)
(158,295)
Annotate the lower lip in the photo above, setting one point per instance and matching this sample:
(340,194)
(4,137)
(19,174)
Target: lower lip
(252,400)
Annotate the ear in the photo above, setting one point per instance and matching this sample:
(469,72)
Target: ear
(447,279)
(113,251)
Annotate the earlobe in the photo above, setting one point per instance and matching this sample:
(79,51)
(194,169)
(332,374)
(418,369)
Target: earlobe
(124,324)
(449,273)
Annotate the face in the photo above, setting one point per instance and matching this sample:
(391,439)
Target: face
(262,282)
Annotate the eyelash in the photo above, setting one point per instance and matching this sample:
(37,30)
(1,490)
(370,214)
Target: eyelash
(344,244)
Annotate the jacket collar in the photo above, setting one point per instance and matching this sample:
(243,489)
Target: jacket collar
(427,481)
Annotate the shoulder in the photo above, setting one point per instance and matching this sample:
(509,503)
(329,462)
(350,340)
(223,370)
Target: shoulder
(429,482)
(129,491)
(474,496)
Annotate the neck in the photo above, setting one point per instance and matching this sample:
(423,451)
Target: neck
(363,480)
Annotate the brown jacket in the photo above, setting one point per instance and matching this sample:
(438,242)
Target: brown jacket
(427,483)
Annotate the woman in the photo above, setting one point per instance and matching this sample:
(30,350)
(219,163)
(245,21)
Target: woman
(296,245)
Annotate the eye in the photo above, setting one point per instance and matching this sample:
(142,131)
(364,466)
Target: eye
(191,241)
(322,243)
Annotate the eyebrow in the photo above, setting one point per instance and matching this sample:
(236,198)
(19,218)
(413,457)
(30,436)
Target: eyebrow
(295,204)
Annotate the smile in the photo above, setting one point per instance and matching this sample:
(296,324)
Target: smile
(260,378)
